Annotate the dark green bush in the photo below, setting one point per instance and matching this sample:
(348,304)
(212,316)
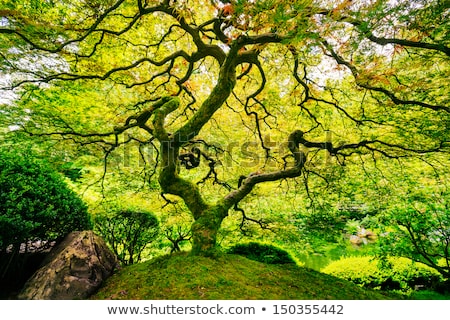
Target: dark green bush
(128,233)
(36,209)
(265,253)
(35,203)
(397,273)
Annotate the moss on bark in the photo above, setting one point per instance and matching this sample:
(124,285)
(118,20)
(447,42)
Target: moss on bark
(204,231)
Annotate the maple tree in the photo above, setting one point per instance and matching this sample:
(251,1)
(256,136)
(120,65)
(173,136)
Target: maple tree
(374,73)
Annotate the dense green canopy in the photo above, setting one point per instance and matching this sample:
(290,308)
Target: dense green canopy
(287,91)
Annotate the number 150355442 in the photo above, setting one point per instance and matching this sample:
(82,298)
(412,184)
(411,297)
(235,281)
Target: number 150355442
(308,309)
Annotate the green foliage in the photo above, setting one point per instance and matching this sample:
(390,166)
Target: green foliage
(420,231)
(395,273)
(428,295)
(93,57)
(265,253)
(128,233)
(71,171)
(35,202)
(352,226)
(321,225)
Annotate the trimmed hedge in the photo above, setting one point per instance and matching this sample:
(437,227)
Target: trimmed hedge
(36,203)
(36,208)
(265,253)
(397,273)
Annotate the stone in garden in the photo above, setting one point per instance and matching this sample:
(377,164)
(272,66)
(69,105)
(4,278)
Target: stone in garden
(73,270)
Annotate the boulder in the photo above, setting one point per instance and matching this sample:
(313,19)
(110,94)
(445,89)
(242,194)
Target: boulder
(73,270)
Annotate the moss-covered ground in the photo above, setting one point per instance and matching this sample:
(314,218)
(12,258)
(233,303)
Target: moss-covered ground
(227,277)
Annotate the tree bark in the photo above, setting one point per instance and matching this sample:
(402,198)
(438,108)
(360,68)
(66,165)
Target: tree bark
(207,217)
(204,231)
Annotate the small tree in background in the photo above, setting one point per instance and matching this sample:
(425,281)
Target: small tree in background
(420,232)
(128,233)
(177,235)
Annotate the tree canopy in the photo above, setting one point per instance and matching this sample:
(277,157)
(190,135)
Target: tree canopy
(262,91)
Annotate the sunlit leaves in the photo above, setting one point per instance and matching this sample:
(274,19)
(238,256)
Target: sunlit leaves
(364,81)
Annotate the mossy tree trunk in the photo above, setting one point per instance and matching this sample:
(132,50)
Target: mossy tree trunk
(208,217)
(205,228)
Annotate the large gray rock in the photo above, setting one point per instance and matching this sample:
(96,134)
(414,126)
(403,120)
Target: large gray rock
(73,270)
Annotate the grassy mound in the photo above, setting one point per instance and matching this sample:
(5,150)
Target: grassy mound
(229,277)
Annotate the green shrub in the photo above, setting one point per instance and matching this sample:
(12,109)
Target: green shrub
(395,273)
(35,203)
(265,253)
(36,209)
(428,295)
(128,233)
